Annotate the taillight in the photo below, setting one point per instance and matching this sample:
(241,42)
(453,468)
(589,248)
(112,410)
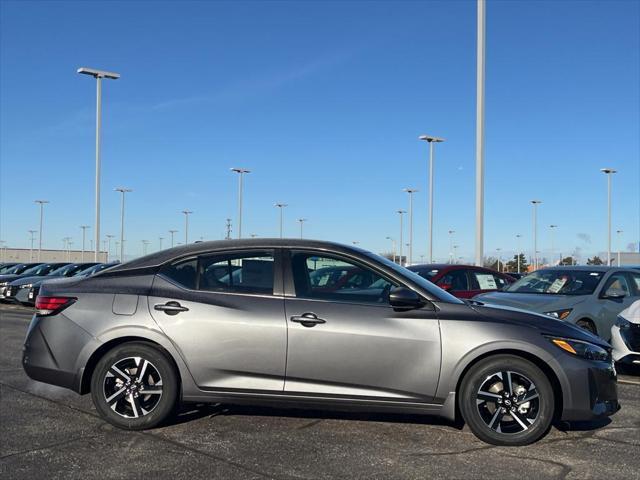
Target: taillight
(50,305)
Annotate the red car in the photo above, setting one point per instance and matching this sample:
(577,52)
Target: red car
(463,281)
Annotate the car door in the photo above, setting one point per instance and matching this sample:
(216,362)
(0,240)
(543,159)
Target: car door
(225,314)
(617,293)
(349,342)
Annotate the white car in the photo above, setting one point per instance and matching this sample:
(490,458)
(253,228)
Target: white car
(625,336)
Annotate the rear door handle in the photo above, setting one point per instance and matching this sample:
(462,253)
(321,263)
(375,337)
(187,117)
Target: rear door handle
(308,319)
(170,308)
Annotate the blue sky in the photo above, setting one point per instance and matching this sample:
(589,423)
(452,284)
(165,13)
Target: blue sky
(324,102)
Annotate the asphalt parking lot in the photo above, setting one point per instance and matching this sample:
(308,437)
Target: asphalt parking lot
(47,432)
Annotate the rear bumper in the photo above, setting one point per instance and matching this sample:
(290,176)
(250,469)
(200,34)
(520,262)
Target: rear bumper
(51,350)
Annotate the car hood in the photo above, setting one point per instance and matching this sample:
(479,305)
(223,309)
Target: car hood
(9,278)
(536,302)
(20,280)
(545,324)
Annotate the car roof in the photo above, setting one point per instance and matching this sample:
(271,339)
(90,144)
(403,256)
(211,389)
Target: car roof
(158,258)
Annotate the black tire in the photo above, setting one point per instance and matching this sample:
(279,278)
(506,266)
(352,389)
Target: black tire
(507,420)
(127,411)
(587,325)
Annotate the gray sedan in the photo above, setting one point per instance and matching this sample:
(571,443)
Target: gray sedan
(247,322)
(589,296)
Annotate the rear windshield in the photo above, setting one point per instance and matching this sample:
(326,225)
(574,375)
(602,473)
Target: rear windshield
(558,282)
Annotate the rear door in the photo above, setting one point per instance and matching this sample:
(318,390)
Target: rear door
(225,314)
(348,341)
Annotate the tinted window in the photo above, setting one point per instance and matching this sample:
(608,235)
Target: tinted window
(183,273)
(239,273)
(454,280)
(337,279)
(617,285)
(635,281)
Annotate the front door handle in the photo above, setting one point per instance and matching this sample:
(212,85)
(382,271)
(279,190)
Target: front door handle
(170,308)
(308,319)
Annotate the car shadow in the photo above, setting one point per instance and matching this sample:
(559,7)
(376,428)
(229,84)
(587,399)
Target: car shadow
(191,412)
(582,426)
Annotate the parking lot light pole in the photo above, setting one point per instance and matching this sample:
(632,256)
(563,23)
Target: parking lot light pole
(480,77)
(518,237)
(553,251)
(608,172)
(84,231)
(455,253)
(401,213)
(160,239)
(98,75)
(240,172)
(451,232)
(281,206)
(145,244)
(535,204)
(393,246)
(109,237)
(410,191)
(123,191)
(31,232)
(172,232)
(301,220)
(41,203)
(186,225)
(431,140)
(618,234)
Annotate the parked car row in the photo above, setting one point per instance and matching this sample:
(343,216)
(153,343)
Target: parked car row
(20,282)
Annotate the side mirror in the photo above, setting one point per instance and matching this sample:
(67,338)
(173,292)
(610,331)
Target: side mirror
(614,295)
(401,297)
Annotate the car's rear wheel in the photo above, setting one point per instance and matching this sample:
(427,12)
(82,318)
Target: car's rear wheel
(507,400)
(135,386)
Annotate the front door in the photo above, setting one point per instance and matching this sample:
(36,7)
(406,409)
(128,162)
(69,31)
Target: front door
(224,316)
(346,340)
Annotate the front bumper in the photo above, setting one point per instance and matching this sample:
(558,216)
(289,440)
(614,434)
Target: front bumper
(626,344)
(593,390)
(51,350)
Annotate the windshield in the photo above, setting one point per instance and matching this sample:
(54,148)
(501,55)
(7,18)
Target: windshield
(558,282)
(18,269)
(415,278)
(69,270)
(425,272)
(7,268)
(42,269)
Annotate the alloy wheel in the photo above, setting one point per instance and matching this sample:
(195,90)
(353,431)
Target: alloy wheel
(508,402)
(132,387)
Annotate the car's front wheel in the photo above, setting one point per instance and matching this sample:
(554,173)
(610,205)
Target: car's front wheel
(507,400)
(135,386)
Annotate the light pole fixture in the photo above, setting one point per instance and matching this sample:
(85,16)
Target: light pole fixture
(618,233)
(98,75)
(240,172)
(431,140)
(401,213)
(31,232)
(84,231)
(410,191)
(480,76)
(301,220)
(186,225)
(281,206)
(451,257)
(356,242)
(608,172)
(123,191)
(535,204)
(41,203)
(553,250)
(172,232)
(160,239)
(518,237)
(393,246)
(109,237)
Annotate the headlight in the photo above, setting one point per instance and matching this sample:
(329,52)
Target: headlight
(622,323)
(581,349)
(560,314)
(28,285)
(3,284)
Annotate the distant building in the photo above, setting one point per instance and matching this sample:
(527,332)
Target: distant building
(26,255)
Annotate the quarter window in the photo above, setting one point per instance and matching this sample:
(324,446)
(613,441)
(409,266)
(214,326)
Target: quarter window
(332,278)
(183,273)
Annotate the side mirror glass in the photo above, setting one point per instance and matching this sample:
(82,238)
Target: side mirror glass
(614,294)
(401,297)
